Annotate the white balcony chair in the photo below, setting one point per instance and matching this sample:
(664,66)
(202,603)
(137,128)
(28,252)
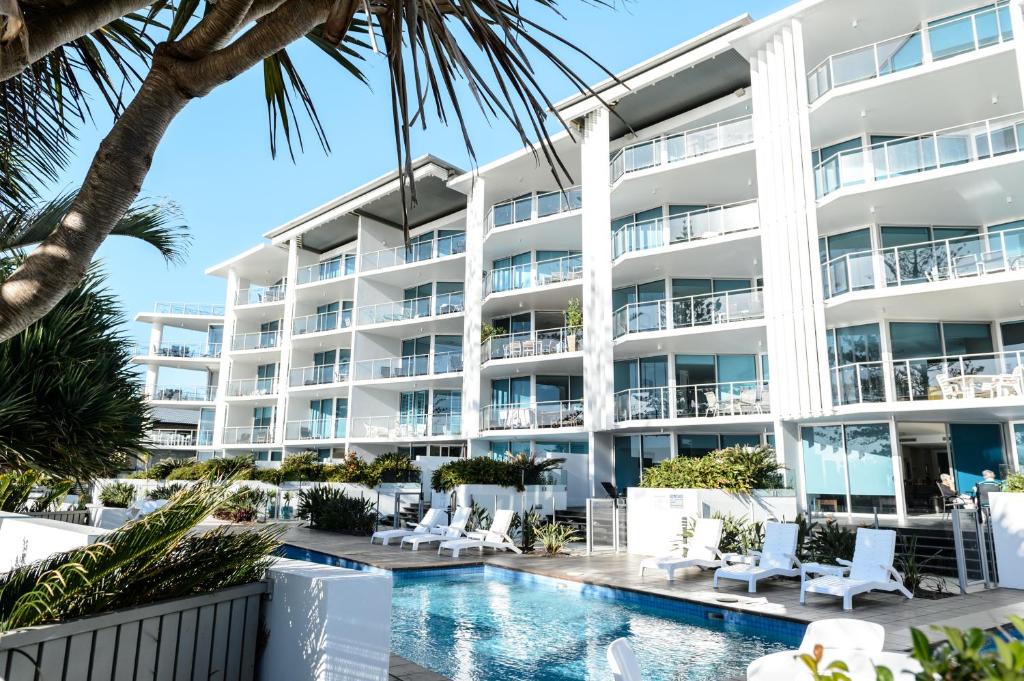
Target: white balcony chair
(714,405)
(748,401)
(949,389)
(870,570)
(777,558)
(622,662)
(701,550)
(496,537)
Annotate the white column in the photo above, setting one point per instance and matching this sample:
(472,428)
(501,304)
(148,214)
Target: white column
(220,415)
(1017,25)
(156,337)
(897,469)
(281,415)
(476,214)
(598,359)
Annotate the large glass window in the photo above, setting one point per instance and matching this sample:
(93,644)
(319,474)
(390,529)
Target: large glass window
(824,468)
(446,413)
(641,387)
(918,254)
(846,262)
(855,355)
(858,453)
(511,273)
(415,356)
(928,354)
(327,316)
(646,311)
(1018,437)
(969,30)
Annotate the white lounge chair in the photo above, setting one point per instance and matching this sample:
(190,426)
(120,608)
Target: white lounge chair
(841,633)
(622,661)
(454,530)
(494,538)
(431,519)
(700,551)
(870,570)
(777,558)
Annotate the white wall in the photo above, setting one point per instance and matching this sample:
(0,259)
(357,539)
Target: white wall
(1008,534)
(544,498)
(24,539)
(326,624)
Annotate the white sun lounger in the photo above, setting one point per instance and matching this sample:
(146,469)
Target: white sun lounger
(431,519)
(870,570)
(622,662)
(777,558)
(495,538)
(700,551)
(454,530)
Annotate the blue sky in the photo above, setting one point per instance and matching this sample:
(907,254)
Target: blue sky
(215,160)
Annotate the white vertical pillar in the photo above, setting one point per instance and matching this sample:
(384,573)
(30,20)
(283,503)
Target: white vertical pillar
(476,214)
(1017,25)
(220,416)
(598,356)
(156,337)
(281,413)
(897,469)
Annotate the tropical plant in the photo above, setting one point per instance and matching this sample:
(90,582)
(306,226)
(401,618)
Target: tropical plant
(554,536)
(837,670)
(1014,483)
(394,467)
(733,469)
(157,557)
(525,526)
(161,469)
(70,404)
(966,656)
(739,535)
(191,48)
(351,469)
(164,491)
(829,542)
(329,508)
(533,471)
(117,495)
(912,567)
(245,505)
(487,331)
(17,487)
(301,466)
(478,470)
(574,314)
(479,517)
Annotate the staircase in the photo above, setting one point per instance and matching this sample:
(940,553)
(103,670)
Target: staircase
(936,552)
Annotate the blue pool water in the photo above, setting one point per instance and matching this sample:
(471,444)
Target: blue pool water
(491,624)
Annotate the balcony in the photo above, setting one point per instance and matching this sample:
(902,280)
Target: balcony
(971,257)
(324,321)
(251,387)
(257,295)
(257,340)
(709,309)
(532,207)
(421,251)
(553,415)
(680,146)
(907,156)
(416,308)
(945,39)
(168,437)
(335,268)
(857,383)
(179,350)
(407,426)
(178,393)
(196,309)
(318,375)
(532,275)
(701,400)
(411,365)
(246,435)
(540,343)
(706,223)
(317,429)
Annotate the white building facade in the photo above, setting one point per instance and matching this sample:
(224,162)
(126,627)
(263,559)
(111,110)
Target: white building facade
(800,231)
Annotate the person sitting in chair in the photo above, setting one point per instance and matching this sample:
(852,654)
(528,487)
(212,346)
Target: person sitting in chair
(949,494)
(989,483)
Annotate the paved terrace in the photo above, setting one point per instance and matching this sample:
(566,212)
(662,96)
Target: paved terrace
(775,598)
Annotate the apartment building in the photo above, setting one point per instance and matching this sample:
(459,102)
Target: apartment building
(798,231)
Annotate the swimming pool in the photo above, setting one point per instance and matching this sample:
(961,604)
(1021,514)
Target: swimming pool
(492,624)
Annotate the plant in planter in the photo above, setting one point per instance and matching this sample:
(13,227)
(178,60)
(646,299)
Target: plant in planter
(16,489)
(733,469)
(164,491)
(118,495)
(573,324)
(532,470)
(245,505)
(526,524)
(286,506)
(479,517)
(829,542)
(554,536)
(162,468)
(394,467)
(329,508)
(487,331)
(1014,483)
(478,470)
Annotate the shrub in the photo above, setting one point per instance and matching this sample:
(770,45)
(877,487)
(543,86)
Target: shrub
(302,466)
(829,542)
(479,517)
(476,471)
(733,469)
(739,535)
(1014,483)
(963,654)
(118,495)
(329,508)
(351,469)
(244,505)
(554,536)
(532,470)
(215,469)
(395,467)
(165,491)
(525,526)
(162,468)
(16,488)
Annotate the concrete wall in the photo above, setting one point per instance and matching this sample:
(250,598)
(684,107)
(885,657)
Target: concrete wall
(1008,533)
(24,539)
(326,624)
(655,515)
(544,498)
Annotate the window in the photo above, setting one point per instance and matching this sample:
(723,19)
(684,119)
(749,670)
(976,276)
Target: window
(450,242)
(694,445)
(561,447)
(340,417)
(918,254)
(446,413)
(645,311)
(327,316)
(513,210)
(269,332)
(450,297)
(511,391)
(511,273)
(636,452)
(417,300)
(412,410)
(415,356)
(215,338)
(966,31)
(855,354)
(204,436)
(1013,336)
(265,375)
(421,247)
(506,448)
(926,353)
(846,262)
(849,468)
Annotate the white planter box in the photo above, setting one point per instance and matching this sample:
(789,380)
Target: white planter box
(24,539)
(1008,533)
(545,498)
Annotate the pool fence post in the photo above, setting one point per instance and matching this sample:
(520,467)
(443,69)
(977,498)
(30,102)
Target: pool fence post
(590,538)
(958,545)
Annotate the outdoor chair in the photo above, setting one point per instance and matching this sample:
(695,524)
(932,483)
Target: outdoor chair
(777,558)
(870,570)
(949,390)
(950,499)
(841,633)
(983,489)
(748,400)
(439,533)
(496,537)
(714,405)
(431,519)
(622,662)
(701,550)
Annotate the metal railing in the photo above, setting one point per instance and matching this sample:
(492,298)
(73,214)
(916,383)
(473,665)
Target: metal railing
(679,146)
(698,400)
(409,365)
(948,38)
(255,295)
(407,426)
(181,350)
(256,340)
(920,153)
(416,308)
(324,374)
(252,387)
(421,251)
(204,438)
(970,256)
(557,414)
(689,311)
(533,207)
(323,321)
(530,275)
(959,377)
(335,268)
(858,383)
(532,344)
(199,309)
(170,437)
(243,435)
(704,223)
(604,523)
(179,393)
(327,428)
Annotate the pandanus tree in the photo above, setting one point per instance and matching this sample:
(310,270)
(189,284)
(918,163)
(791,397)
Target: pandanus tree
(52,52)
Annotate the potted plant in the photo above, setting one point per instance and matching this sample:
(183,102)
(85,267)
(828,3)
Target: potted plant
(286,507)
(573,324)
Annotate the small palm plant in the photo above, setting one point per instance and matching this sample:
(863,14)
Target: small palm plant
(118,495)
(554,536)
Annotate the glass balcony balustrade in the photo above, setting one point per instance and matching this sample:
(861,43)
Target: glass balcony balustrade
(421,251)
(707,309)
(335,268)
(680,146)
(532,275)
(321,322)
(198,309)
(318,375)
(532,207)
(539,343)
(251,387)
(256,295)
(705,223)
(179,350)
(411,365)
(317,429)
(702,400)
(957,35)
(244,435)
(905,156)
(415,308)
(407,426)
(171,437)
(256,340)
(555,414)
(180,393)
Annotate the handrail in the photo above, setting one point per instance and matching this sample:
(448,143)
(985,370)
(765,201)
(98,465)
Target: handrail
(251,387)
(407,425)
(327,428)
(322,321)
(256,340)
(533,274)
(409,365)
(554,414)
(334,268)
(256,295)
(172,437)
(703,223)
(184,393)
(532,207)
(857,383)
(324,374)
(984,375)
(532,344)
(704,309)
(681,145)
(182,350)
(239,435)
(420,251)
(198,309)
(415,308)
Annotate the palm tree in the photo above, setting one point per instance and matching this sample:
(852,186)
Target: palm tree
(432,47)
(532,469)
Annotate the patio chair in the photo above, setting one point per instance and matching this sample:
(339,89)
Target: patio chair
(700,551)
(949,389)
(439,533)
(431,519)
(529,348)
(870,570)
(748,401)
(494,538)
(983,489)
(777,558)
(841,633)
(622,662)
(950,499)
(714,405)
